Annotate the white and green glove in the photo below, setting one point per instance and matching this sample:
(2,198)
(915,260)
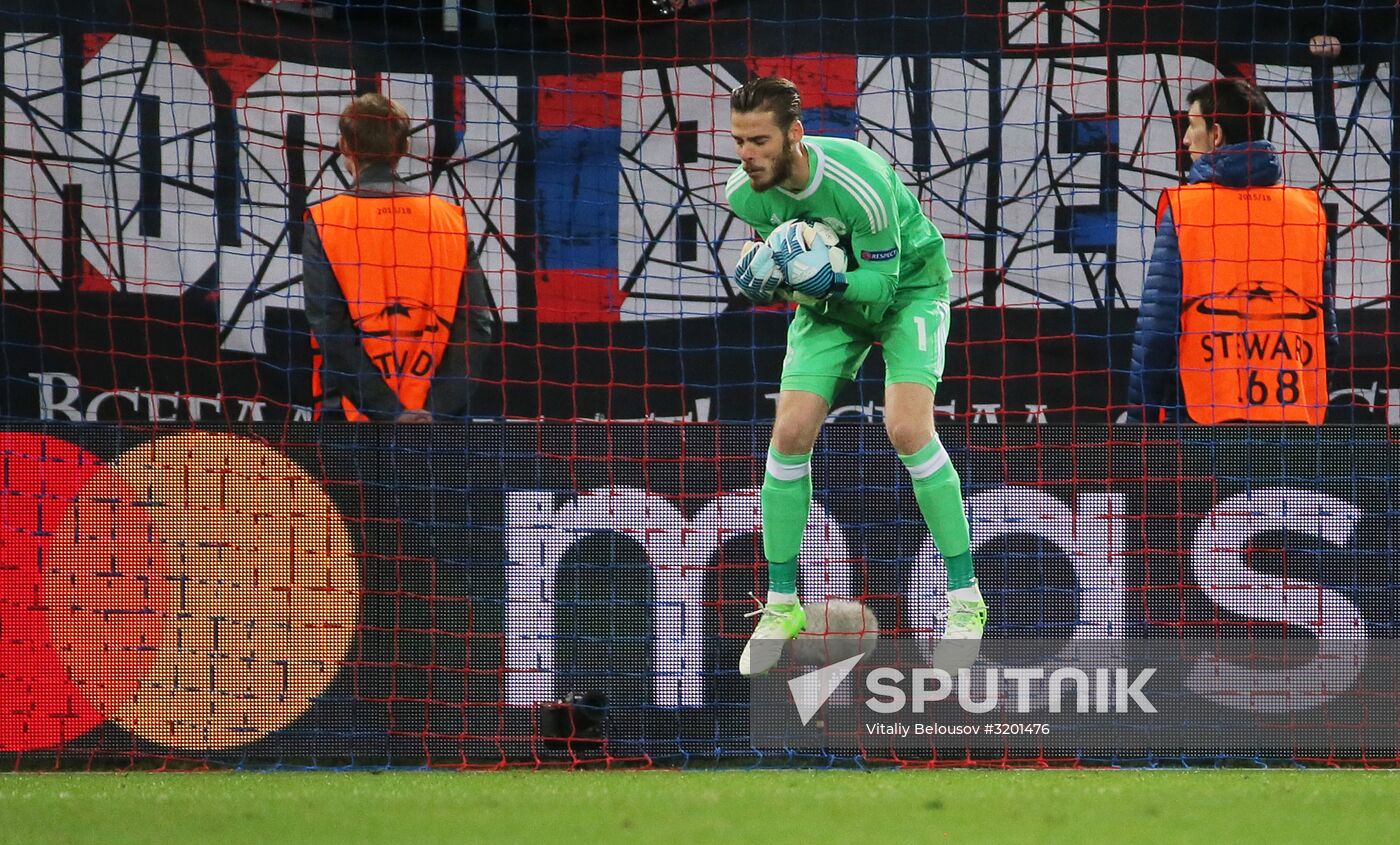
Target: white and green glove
(757,274)
(804,252)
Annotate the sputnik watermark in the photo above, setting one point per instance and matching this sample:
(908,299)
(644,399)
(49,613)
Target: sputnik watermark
(1098,690)
(1110,695)
(810,691)
(1065,689)
(1127,696)
(902,730)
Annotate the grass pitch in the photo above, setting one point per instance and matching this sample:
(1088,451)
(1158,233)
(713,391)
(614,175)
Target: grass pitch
(670,808)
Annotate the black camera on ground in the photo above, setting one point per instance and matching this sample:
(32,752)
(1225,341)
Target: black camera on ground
(577,717)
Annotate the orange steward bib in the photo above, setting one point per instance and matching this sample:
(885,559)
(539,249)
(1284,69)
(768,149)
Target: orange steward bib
(399,261)
(1253,338)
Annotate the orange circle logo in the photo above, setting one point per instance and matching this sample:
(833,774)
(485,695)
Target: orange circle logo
(200,592)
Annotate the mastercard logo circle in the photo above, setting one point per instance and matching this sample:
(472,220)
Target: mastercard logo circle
(199,592)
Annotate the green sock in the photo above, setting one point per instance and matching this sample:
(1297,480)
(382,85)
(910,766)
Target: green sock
(786,498)
(938,491)
(782,577)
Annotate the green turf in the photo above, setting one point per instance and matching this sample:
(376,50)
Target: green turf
(732,807)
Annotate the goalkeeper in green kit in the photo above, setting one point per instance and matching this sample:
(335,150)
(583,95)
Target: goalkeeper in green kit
(895,293)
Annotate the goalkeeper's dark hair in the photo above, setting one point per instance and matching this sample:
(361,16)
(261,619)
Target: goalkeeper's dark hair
(771,94)
(1235,105)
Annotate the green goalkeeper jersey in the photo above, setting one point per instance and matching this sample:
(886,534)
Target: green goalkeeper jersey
(894,251)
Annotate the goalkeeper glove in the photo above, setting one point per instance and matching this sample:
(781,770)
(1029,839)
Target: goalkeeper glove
(757,275)
(807,268)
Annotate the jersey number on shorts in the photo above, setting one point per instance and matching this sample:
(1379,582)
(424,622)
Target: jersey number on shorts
(922,327)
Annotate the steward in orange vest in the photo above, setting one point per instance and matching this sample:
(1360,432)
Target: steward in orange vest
(1237,314)
(393,296)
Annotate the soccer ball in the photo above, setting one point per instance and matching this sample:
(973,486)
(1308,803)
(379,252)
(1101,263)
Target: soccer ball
(811,234)
(836,630)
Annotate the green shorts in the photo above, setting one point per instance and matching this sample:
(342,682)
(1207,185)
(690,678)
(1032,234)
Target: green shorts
(824,354)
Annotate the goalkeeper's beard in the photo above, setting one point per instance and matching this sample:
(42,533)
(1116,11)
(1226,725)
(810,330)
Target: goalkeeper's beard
(778,171)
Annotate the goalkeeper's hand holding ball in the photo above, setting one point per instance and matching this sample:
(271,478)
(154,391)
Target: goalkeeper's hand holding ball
(757,274)
(811,263)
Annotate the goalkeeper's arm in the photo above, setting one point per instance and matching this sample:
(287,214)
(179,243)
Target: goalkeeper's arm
(875,257)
